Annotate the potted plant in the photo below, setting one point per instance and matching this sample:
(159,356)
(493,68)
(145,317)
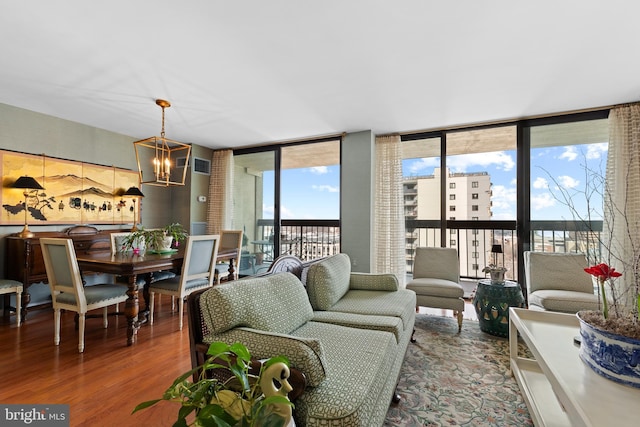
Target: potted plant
(233,396)
(610,337)
(157,239)
(495,273)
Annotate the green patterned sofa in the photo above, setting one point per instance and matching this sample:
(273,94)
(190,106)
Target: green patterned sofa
(348,332)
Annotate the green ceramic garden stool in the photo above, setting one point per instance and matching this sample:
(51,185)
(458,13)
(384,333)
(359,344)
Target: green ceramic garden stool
(492,304)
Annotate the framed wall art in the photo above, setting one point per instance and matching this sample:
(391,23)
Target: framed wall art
(73,192)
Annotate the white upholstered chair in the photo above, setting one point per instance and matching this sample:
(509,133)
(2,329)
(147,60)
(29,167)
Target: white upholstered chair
(67,290)
(197,272)
(13,287)
(229,239)
(558,282)
(436,277)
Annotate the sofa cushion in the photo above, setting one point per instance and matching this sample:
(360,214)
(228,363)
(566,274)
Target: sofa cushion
(436,288)
(328,280)
(359,365)
(362,321)
(563,301)
(276,303)
(401,303)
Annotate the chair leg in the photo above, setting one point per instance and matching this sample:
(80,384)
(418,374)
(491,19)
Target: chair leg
(81,320)
(180,311)
(459,321)
(105,318)
(151,306)
(173,303)
(18,307)
(56,327)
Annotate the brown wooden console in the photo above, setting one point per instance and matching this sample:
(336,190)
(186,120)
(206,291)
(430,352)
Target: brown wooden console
(23,256)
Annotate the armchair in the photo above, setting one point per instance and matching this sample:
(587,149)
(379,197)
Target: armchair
(436,276)
(557,282)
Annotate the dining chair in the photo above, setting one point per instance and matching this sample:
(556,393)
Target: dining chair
(67,290)
(197,272)
(229,239)
(9,287)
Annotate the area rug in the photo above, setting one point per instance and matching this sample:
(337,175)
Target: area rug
(451,379)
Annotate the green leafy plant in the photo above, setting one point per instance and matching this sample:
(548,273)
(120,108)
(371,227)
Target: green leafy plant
(153,238)
(234,396)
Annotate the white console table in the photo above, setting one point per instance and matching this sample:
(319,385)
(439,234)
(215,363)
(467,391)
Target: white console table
(558,387)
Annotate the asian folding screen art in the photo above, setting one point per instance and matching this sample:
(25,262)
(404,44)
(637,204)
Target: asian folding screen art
(74,192)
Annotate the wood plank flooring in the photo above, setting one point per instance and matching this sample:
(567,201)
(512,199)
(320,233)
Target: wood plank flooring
(103,384)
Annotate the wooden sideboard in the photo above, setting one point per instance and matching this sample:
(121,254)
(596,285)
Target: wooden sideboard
(24,261)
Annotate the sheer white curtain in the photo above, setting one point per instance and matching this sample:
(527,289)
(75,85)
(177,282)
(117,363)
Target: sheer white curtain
(388,234)
(220,207)
(622,197)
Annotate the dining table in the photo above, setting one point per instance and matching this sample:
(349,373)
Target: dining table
(131,265)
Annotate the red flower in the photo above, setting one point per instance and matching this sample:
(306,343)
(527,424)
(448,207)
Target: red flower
(603,271)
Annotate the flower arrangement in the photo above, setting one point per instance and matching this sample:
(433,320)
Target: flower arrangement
(617,321)
(619,245)
(242,399)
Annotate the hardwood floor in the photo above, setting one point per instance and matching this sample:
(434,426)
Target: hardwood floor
(103,384)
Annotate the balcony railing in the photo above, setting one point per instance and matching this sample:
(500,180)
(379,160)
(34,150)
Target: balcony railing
(312,239)
(474,239)
(306,239)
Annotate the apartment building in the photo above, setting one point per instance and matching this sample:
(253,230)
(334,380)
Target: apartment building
(467,197)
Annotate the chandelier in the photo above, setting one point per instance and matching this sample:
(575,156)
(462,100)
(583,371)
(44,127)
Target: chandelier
(159,157)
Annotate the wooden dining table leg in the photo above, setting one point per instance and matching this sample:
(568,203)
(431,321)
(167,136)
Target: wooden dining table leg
(131,308)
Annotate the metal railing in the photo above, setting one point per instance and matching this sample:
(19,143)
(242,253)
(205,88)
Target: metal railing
(474,239)
(312,239)
(306,239)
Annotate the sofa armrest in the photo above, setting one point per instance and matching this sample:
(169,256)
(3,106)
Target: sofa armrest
(304,354)
(374,282)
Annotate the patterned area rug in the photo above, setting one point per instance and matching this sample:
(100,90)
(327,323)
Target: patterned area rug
(451,379)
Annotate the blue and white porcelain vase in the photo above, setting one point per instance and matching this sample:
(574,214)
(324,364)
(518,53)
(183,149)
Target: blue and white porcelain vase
(613,356)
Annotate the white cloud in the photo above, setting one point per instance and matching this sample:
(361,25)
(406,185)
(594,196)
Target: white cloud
(570,153)
(542,201)
(421,164)
(540,183)
(268,211)
(595,151)
(319,170)
(568,182)
(329,188)
(499,159)
(503,198)
(284,212)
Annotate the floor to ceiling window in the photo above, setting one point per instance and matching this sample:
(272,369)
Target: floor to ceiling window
(568,162)
(481,164)
(288,199)
(506,186)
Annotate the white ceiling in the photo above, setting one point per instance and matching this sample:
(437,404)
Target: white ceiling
(240,73)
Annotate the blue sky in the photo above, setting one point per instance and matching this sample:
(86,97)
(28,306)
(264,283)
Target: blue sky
(307,193)
(313,193)
(552,169)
